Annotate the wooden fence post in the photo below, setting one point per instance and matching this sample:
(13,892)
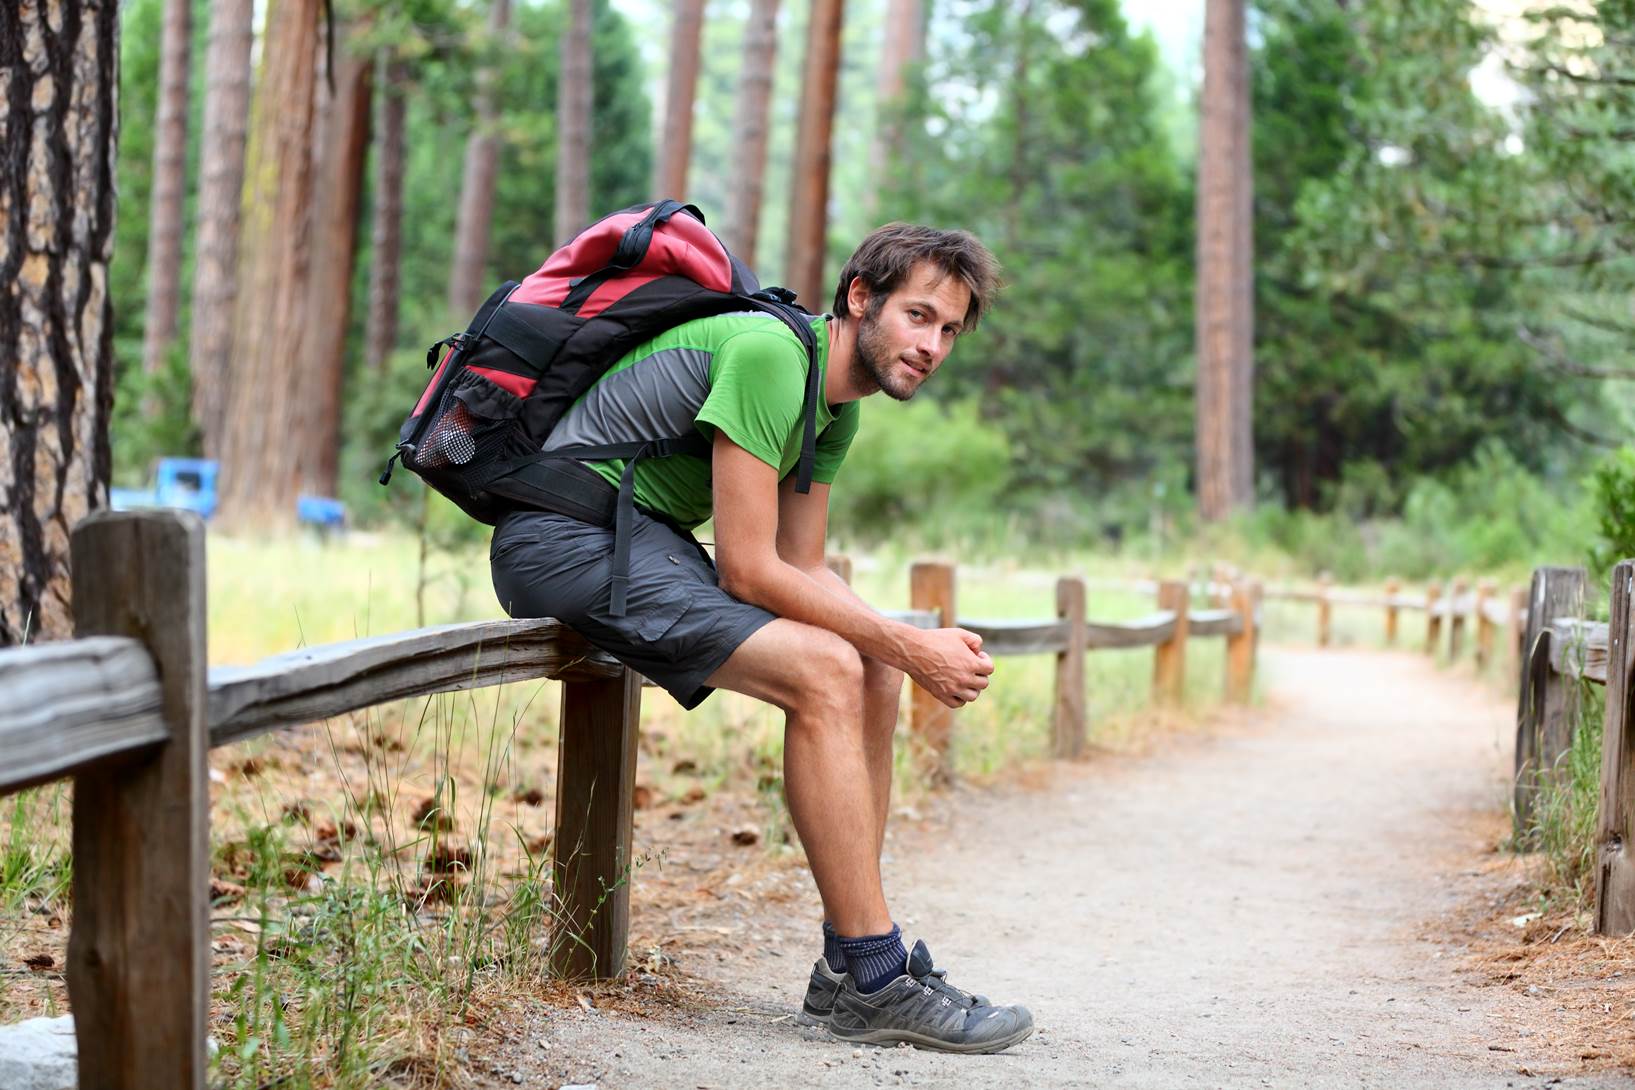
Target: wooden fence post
(931,587)
(1240,648)
(595,794)
(139,949)
(1392,589)
(1484,626)
(1169,658)
(1456,619)
(1325,609)
(1546,713)
(1615,838)
(1433,618)
(1068,726)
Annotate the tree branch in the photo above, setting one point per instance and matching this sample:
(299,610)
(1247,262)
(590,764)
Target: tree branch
(1560,361)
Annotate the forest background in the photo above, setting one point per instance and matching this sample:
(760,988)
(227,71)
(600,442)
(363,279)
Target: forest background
(1442,240)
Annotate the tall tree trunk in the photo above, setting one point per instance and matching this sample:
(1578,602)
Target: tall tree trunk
(269,411)
(386,232)
(169,185)
(677,143)
(221,189)
(477,185)
(338,169)
(573,105)
(58,128)
(809,199)
(750,129)
(1224,305)
(903,47)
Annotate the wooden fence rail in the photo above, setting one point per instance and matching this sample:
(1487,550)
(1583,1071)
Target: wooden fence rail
(129,710)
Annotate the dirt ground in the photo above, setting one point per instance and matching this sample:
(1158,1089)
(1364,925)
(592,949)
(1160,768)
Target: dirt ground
(1307,896)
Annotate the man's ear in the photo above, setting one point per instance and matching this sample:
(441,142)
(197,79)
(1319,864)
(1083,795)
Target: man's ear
(857,298)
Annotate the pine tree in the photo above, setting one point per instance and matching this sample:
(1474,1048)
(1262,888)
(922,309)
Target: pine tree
(57,135)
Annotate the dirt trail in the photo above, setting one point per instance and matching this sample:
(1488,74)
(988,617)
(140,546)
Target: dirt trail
(1255,908)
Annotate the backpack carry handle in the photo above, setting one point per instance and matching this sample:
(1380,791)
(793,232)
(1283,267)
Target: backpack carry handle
(633,245)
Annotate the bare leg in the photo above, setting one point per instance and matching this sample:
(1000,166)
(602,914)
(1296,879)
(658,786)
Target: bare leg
(817,679)
(882,697)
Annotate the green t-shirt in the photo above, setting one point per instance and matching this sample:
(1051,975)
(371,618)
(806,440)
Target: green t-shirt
(742,373)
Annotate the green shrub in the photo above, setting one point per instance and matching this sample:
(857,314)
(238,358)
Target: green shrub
(1612,496)
(930,468)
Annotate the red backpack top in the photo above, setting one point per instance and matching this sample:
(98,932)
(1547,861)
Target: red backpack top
(533,348)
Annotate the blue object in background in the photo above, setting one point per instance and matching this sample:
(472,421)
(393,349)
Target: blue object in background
(188,483)
(321,512)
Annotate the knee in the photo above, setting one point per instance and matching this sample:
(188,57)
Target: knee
(829,676)
(881,680)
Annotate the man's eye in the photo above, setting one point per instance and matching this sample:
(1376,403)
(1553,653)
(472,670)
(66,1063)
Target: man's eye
(916,314)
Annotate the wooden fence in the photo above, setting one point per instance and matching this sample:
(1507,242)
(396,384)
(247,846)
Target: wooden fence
(1553,653)
(129,710)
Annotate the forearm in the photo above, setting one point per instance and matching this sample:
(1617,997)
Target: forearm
(816,596)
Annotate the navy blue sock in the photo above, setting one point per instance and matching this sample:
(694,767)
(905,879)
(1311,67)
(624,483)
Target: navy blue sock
(832,953)
(875,960)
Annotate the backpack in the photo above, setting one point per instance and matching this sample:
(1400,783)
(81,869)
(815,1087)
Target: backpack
(534,347)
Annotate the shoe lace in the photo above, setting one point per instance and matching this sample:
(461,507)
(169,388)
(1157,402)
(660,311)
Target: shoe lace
(938,979)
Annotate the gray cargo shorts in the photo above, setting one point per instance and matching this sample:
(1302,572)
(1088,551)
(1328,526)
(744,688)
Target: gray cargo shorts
(679,625)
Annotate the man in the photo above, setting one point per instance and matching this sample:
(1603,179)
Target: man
(770,620)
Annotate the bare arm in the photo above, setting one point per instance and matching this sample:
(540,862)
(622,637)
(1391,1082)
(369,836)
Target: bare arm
(769,551)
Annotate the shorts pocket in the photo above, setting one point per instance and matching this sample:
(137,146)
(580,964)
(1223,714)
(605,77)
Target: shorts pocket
(651,611)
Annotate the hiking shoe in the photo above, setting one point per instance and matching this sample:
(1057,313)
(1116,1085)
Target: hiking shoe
(923,1009)
(820,992)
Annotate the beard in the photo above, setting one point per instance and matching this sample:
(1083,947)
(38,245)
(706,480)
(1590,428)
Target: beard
(873,365)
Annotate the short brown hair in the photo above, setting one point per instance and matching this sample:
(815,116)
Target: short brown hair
(885,258)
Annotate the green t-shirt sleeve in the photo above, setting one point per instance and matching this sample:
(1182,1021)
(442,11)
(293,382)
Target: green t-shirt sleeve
(834,441)
(757,385)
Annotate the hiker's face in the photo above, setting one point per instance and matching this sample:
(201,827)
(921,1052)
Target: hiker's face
(903,338)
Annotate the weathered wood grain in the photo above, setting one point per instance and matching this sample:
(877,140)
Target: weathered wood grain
(1546,712)
(1241,645)
(1484,624)
(317,682)
(1615,835)
(931,588)
(1458,609)
(1578,649)
(1392,609)
(593,865)
(1213,622)
(1169,659)
(1433,618)
(918,618)
(1148,631)
(72,703)
(139,950)
(1020,637)
(1067,735)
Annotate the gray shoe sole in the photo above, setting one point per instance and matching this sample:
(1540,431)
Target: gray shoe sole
(898,1036)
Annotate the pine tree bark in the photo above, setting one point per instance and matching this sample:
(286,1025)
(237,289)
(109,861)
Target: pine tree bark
(58,129)
(750,130)
(386,229)
(573,106)
(903,47)
(1224,298)
(477,185)
(338,171)
(169,185)
(221,188)
(269,413)
(677,144)
(809,199)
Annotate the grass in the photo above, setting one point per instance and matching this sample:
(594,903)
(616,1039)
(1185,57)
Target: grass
(382,882)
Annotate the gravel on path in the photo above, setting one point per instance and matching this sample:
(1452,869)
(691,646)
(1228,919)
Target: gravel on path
(1254,908)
